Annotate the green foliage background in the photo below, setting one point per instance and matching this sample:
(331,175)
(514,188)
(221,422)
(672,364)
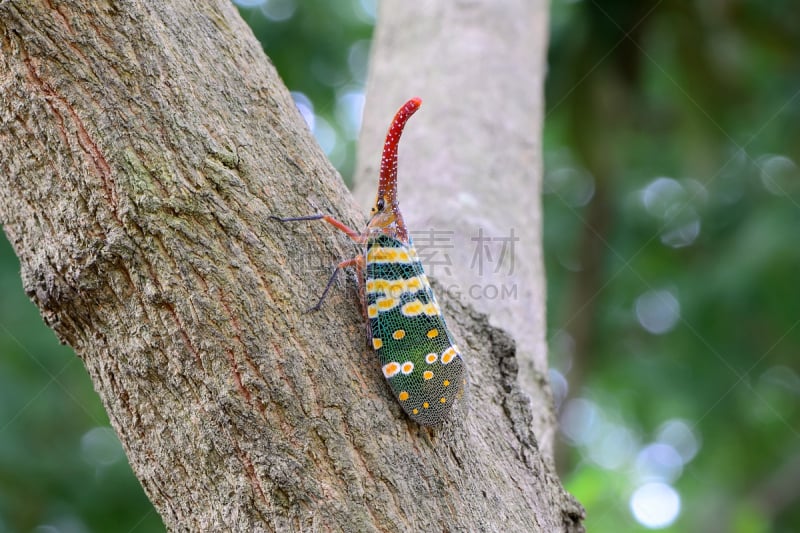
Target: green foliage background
(672,205)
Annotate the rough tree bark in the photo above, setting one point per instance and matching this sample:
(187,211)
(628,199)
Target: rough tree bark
(142,146)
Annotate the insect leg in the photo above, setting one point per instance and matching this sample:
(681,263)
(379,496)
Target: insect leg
(357,261)
(353,234)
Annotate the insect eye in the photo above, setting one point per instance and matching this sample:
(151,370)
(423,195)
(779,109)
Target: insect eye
(380,204)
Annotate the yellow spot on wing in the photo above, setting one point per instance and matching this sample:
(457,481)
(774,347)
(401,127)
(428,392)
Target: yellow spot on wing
(378,253)
(443,399)
(390,369)
(377,343)
(403,396)
(431,358)
(431,309)
(449,354)
(427,375)
(408,367)
(399,334)
(396,288)
(384,304)
(445,383)
(426,405)
(372,311)
(412,308)
(432,334)
(413,284)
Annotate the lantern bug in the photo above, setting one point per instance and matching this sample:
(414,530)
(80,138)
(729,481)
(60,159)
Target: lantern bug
(405,325)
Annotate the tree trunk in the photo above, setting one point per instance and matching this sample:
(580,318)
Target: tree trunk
(142,146)
(471,185)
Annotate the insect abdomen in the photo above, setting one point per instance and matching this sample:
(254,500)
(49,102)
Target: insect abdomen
(419,359)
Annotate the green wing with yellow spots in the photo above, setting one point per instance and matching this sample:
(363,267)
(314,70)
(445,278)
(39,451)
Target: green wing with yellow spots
(419,359)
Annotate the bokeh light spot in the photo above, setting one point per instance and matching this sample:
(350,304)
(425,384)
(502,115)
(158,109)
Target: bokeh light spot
(680,435)
(306,108)
(248,3)
(367,10)
(778,174)
(661,195)
(325,135)
(278,10)
(659,462)
(579,420)
(614,448)
(573,185)
(349,109)
(658,311)
(559,386)
(357,58)
(100,447)
(655,505)
(684,232)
